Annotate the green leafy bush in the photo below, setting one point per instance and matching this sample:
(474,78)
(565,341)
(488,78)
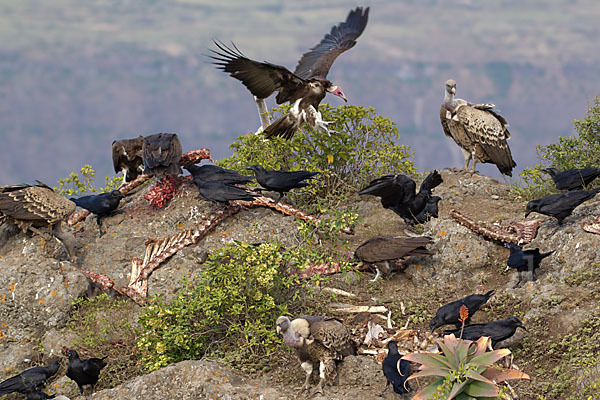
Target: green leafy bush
(364,146)
(229,312)
(103,328)
(83,183)
(578,151)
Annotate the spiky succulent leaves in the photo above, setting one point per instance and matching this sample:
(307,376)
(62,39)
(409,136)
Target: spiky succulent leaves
(464,371)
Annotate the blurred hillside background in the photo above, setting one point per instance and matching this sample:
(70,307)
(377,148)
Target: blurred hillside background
(75,75)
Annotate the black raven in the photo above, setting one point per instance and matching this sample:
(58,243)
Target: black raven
(100,205)
(561,205)
(398,193)
(28,380)
(396,371)
(37,395)
(525,260)
(222,192)
(496,330)
(450,313)
(281,181)
(572,179)
(216,173)
(84,372)
(430,211)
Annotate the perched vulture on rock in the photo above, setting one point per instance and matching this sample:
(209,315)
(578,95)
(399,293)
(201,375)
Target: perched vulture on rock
(319,340)
(382,250)
(397,193)
(307,86)
(478,129)
(127,157)
(162,154)
(31,206)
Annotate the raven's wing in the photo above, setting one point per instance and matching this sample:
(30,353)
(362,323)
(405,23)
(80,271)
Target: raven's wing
(318,61)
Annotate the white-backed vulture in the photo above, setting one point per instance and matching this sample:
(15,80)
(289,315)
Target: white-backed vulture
(478,129)
(31,206)
(319,340)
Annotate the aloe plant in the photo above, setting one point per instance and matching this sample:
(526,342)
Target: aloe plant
(464,370)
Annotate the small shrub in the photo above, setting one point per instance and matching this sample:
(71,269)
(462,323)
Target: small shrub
(230,310)
(83,183)
(103,328)
(364,146)
(579,151)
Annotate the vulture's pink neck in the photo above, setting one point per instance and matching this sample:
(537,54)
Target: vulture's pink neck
(449,102)
(292,339)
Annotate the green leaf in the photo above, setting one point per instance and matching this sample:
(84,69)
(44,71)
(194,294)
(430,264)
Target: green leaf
(428,391)
(490,358)
(456,389)
(428,359)
(481,389)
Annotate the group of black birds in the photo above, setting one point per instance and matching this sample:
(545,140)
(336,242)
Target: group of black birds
(32,380)
(477,128)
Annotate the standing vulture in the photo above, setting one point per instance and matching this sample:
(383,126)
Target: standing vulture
(31,206)
(127,157)
(381,250)
(478,129)
(320,340)
(307,86)
(162,154)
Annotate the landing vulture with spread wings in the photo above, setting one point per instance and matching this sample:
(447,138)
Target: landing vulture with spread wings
(306,86)
(478,129)
(33,206)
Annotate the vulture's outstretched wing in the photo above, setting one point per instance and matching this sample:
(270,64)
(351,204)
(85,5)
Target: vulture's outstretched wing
(261,78)
(383,248)
(488,129)
(342,37)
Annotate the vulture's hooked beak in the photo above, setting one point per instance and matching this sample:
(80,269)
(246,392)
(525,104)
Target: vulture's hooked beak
(338,92)
(453,90)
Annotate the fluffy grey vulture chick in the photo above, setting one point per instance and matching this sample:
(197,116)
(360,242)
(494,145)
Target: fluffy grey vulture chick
(319,340)
(162,154)
(127,157)
(381,250)
(31,206)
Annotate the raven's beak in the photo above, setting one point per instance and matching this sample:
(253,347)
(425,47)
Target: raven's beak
(278,329)
(527,213)
(522,326)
